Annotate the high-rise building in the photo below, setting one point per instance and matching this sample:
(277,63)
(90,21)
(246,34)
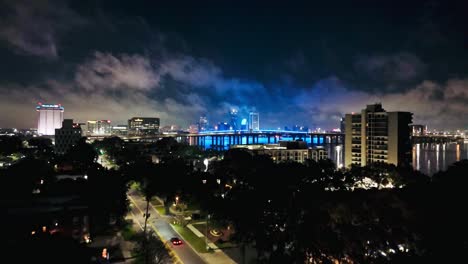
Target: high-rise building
(193,129)
(50,118)
(243,125)
(221,126)
(233,119)
(418,130)
(67,136)
(170,129)
(376,135)
(143,126)
(99,127)
(299,128)
(203,124)
(120,130)
(254,121)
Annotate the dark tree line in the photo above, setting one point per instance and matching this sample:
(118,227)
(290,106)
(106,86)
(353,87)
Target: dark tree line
(290,212)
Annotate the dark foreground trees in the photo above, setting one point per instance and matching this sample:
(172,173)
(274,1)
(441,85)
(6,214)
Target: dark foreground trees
(53,249)
(294,213)
(150,249)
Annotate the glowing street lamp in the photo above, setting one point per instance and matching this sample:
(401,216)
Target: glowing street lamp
(205,162)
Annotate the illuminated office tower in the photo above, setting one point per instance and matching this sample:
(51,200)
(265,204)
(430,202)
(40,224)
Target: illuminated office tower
(50,118)
(243,124)
(203,123)
(254,121)
(99,127)
(376,135)
(418,130)
(234,122)
(143,126)
(120,130)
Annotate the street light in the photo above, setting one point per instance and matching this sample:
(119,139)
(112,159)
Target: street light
(205,162)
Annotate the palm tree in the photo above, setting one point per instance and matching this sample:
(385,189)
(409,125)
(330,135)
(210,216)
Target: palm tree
(151,248)
(148,192)
(142,172)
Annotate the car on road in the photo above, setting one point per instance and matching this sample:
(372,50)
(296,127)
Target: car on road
(176,241)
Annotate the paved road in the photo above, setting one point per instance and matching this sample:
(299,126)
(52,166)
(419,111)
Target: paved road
(184,252)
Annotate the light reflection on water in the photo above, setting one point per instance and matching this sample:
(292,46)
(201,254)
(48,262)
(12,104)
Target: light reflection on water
(427,157)
(439,156)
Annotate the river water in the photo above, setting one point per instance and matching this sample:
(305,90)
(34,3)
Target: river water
(428,158)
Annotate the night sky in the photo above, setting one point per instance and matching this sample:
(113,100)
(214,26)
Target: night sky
(294,63)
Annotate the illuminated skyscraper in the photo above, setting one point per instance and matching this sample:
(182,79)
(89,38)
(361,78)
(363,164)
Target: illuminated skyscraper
(99,127)
(120,130)
(143,126)
(233,117)
(376,135)
(50,118)
(418,130)
(243,124)
(203,123)
(254,121)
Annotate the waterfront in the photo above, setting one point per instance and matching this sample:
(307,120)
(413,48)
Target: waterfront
(428,158)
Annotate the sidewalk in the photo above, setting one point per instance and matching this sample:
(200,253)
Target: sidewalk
(216,257)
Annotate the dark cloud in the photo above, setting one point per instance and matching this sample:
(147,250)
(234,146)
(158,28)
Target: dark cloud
(32,27)
(390,72)
(114,61)
(119,86)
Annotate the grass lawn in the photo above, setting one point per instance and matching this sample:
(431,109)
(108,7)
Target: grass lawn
(196,242)
(134,186)
(225,245)
(127,232)
(161,210)
(155,201)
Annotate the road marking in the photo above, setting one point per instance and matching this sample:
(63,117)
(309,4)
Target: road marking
(171,251)
(136,219)
(155,209)
(195,231)
(196,252)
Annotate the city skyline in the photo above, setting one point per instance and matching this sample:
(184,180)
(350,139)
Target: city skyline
(225,132)
(142,61)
